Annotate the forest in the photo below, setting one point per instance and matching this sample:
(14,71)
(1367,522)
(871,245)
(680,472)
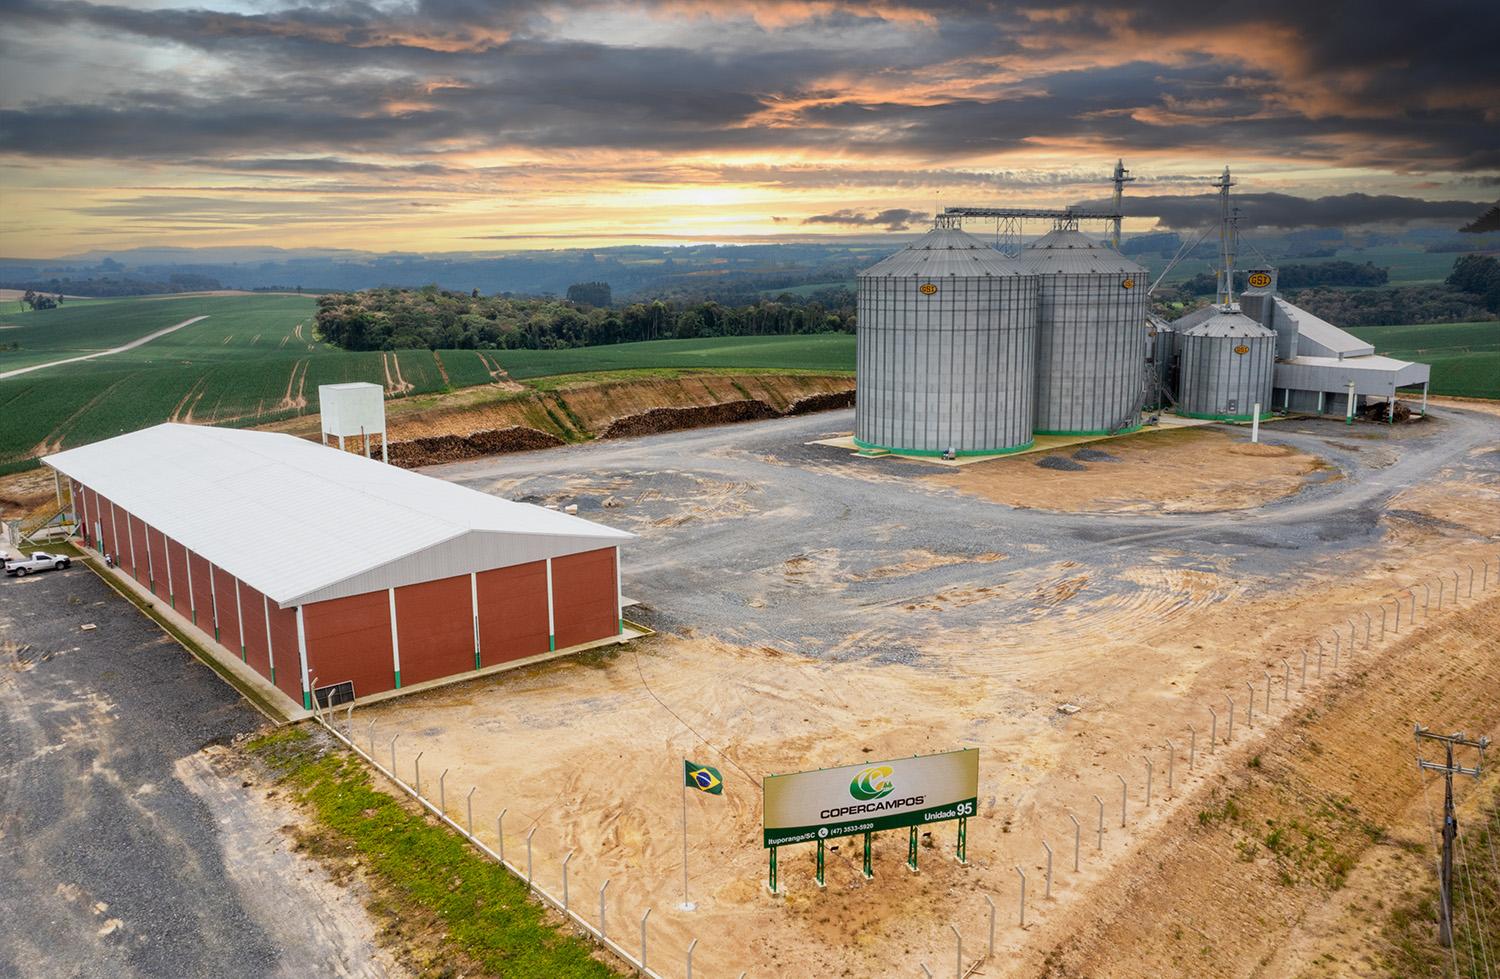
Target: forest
(397,319)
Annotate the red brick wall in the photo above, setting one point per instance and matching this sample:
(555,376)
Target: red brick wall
(203,601)
(139,567)
(177,562)
(512,613)
(350,639)
(584,606)
(434,621)
(284,647)
(229,623)
(257,650)
(107,527)
(156,543)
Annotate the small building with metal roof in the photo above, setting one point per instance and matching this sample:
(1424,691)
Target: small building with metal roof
(306,562)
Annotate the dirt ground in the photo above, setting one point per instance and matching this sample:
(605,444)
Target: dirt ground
(864,639)
(1189,470)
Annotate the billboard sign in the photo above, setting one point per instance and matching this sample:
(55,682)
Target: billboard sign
(866,798)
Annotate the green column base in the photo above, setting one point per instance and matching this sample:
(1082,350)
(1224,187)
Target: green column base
(243,656)
(551,643)
(398,679)
(273,676)
(216,633)
(172,600)
(476,659)
(306,700)
(622,628)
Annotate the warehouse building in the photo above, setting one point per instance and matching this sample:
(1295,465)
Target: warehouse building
(319,568)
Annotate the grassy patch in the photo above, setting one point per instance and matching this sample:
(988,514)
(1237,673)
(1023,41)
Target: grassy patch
(424,871)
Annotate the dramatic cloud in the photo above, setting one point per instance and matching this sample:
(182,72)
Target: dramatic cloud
(891,219)
(593,116)
(1283,211)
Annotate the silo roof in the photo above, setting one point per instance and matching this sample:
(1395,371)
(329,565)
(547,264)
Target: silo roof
(944,252)
(1073,253)
(1229,324)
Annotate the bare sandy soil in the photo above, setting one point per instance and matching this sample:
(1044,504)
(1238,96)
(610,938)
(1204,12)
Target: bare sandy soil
(1190,470)
(866,645)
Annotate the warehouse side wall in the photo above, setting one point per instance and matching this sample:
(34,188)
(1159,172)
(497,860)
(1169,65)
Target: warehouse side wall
(512,613)
(284,652)
(225,612)
(257,643)
(178,585)
(350,639)
(435,626)
(585,597)
(137,550)
(203,601)
(156,560)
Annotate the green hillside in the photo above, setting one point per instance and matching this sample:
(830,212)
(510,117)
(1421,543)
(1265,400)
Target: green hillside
(1465,357)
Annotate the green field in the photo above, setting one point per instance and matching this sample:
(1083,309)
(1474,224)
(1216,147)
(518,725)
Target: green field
(1465,357)
(253,360)
(820,352)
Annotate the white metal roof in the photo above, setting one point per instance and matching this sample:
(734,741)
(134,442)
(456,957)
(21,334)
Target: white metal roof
(304,523)
(1227,322)
(1071,252)
(1372,375)
(1318,337)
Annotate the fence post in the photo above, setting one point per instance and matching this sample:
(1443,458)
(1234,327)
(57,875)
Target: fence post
(1382,621)
(1337,648)
(470,800)
(1455,593)
(442,793)
(1213,729)
(1397,625)
(925,971)
(1171,765)
(1077,839)
(372,740)
(1471,580)
(1122,797)
(958,970)
(1320,659)
(1303,683)
(1047,894)
(1369,628)
(1286,681)
(528,856)
(393,754)
(1440,590)
(1101,821)
(643,938)
(1267,675)
(1192,747)
(991,953)
(602,933)
(1250,704)
(500,832)
(1023,895)
(566,860)
(1150,769)
(691,946)
(1229,737)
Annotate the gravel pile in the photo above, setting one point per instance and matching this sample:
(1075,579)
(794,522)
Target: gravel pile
(659,420)
(433,449)
(1058,462)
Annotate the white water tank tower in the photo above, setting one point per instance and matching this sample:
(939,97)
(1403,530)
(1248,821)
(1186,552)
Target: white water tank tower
(354,410)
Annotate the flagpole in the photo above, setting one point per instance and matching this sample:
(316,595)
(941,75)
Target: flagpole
(687,905)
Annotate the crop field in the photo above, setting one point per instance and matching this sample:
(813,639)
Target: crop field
(252,359)
(1465,357)
(819,352)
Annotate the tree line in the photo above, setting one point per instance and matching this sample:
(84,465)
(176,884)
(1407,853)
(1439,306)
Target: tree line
(439,319)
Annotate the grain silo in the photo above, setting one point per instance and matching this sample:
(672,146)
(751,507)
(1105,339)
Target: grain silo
(946,348)
(1091,335)
(1225,366)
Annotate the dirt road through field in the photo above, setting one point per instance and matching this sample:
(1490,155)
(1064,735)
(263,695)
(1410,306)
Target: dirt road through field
(103,353)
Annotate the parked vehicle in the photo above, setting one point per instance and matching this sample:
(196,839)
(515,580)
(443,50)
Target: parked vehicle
(38,561)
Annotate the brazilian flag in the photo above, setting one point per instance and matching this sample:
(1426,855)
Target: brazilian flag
(704,778)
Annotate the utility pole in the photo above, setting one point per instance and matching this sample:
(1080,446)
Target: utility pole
(1450,818)
(1226,240)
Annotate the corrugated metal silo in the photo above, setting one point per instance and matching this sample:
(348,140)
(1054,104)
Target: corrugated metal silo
(946,349)
(1225,367)
(1091,335)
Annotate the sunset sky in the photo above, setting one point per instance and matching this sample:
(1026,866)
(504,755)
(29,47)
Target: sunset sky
(463,125)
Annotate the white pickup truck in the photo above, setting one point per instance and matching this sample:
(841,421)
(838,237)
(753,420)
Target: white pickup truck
(38,561)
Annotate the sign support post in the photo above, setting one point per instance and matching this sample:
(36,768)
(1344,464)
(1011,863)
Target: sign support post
(911,851)
(869,869)
(820,863)
(773,870)
(963,840)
